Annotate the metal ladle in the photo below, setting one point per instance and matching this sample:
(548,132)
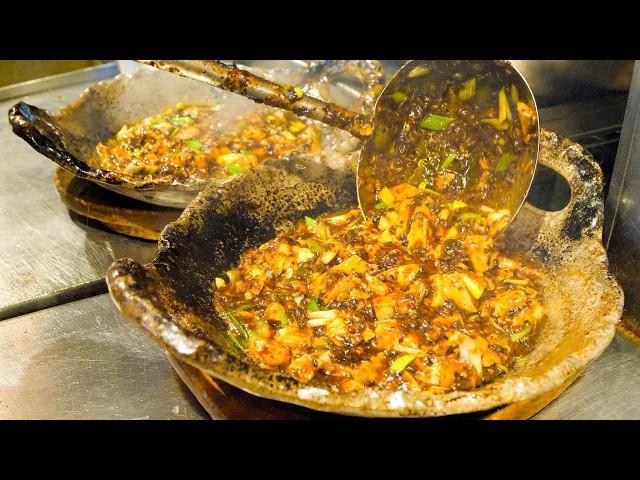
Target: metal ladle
(401,145)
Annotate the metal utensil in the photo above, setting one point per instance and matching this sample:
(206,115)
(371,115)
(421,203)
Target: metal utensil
(392,151)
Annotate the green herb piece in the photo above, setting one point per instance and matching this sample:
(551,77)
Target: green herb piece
(418,71)
(381,206)
(435,122)
(449,160)
(137,152)
(399,97)
(246,152)
(516,337)
(281,316)
(402,362)
(298,91)
(504,161)
(239,335)
(514,94)
(469,90)
(174,131)
(194,144)
(241,308)
(504,112)
(310,222)
(456,205)
(418,174)
(183,121)
(496,123)
(501,368)
(297,127)
(234,169)
(423,186)
(469,216)
(180,105)
(240,343)
(313,305)
(315,246)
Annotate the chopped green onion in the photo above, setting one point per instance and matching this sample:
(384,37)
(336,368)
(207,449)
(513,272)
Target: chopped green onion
(402,362)
(310,222)
(282,316)
(469,216)
(501,367)
(245,151)
(469,90)
(174,131)
(234,169)
(516,337)
(449,160)
(496,123)
(241,308)
(436,122)
(423,186)
(418,174)
(298,91)
(315,246)
(194,144)
(241,344)
(381,206)
(504,112)
(514,94)
(456,205)
(418,71)
(504,161)
(313,305)
(183,121)
(399,97)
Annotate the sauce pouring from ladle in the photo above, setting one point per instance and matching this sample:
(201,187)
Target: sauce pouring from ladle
(465,129)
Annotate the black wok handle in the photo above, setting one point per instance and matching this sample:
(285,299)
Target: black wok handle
(233,79)
(38,128)
(583,215)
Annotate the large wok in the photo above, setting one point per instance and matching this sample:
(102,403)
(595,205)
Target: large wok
(171,297)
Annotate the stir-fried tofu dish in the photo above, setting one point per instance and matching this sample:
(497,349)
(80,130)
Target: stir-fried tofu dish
(187,142)
(418,297)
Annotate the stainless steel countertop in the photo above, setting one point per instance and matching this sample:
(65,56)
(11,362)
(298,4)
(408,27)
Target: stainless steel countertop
(45,253)
(82,359)
(608,389)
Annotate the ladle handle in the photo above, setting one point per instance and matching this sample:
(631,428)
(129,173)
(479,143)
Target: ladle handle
(233,79)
